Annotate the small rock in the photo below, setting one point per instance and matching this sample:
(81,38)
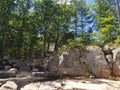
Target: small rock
(4,62)
(91,76)
(6,58)
(37,74)
(13,70)
(35,70)
(43,74)
(62,84)
(9,85)
(7,67)
(32,86)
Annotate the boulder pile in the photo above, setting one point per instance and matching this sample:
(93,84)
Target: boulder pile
(101,62)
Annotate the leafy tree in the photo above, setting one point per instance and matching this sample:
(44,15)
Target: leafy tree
(82,20)
(118,18)
(105,21)
(45,13)
(6,8)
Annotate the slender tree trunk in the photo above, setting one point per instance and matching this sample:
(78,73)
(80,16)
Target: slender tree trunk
(20,41)
(30,51)
(82,27)
(48,45)
(4,43)
(44,46)
(76,24)
(25,53)
(58,30)
(56,42)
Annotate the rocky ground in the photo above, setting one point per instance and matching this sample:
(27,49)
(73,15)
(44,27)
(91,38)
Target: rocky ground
(88,64)
(85,84)
(62,84)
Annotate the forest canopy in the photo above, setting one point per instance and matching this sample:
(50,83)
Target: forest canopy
(28,27)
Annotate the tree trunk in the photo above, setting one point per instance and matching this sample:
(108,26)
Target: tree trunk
(4,43)
(44,45)
(76,24)
(56,41)
(48,45)
(30,52)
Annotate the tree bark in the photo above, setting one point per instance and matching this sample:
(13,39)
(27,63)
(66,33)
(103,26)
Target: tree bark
(44,45)
(4,43)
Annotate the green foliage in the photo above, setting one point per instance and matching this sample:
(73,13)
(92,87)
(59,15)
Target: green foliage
(94,42)
(117,41)
(27,27)
(105,21)
(77,42)
(83,20)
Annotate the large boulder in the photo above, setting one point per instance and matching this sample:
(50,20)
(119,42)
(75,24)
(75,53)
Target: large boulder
(9,85)
(116,59)
(70,63)
(96,61)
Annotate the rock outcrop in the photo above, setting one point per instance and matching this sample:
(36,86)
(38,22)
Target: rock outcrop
(100,62)
(116,60)
(70,63)
(96,61)
(92,59)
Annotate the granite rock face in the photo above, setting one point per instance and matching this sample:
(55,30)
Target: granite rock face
(70,63)
(116,60)
(96,61)
(74,62)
